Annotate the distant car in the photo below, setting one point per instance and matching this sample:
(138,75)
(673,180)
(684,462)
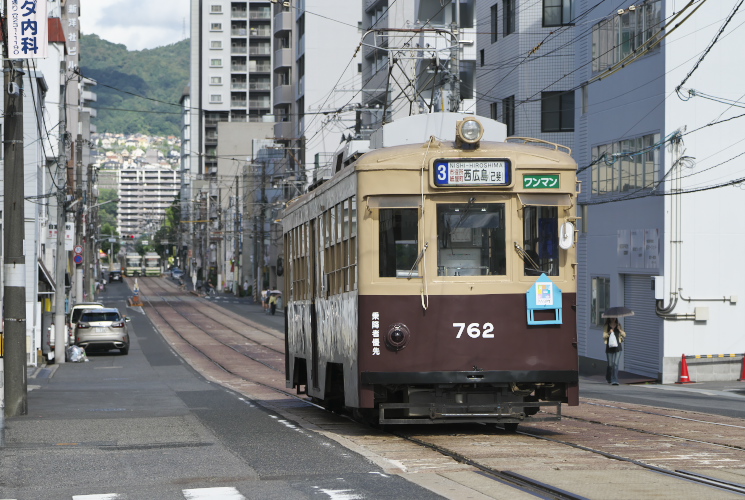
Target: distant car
(115,276)
(177,273)
(102,329)
(75,313)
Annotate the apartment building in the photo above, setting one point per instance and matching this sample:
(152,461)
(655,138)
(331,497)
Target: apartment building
(145,193)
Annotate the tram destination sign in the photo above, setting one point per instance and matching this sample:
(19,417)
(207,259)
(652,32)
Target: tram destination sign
(472,173)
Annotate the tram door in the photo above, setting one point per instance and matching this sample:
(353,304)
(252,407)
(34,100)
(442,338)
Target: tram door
(315,268)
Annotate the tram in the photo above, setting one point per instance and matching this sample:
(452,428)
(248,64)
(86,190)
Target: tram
(132,264)
(152,264)
(435,281)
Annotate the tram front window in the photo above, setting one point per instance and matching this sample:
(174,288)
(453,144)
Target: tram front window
(541,240)
(471,239)
(399,228)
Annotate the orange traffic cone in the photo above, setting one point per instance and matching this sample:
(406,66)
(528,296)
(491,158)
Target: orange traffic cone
(742,375)
(684,378)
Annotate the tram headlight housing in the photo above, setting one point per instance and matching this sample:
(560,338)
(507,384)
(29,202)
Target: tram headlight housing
(468,131)
(397,337)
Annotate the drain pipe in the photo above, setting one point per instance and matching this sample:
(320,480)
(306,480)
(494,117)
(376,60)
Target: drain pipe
(2,402)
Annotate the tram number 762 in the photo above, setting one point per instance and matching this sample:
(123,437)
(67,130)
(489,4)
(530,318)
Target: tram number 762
(474,330)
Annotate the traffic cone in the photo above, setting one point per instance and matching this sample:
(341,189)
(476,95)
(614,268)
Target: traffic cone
(684,378)
(742,375)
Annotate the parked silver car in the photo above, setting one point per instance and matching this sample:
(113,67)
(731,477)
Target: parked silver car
(103,329)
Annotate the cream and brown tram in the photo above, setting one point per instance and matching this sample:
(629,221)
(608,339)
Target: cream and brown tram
(436,282)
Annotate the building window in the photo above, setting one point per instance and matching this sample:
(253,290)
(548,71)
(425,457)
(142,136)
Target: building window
(216,27)
(493,111)
(216,44)
(508,17)
(481,56)
(494,23)
(557,111)
(215,98)
(557,12)
(600,300)
(216,80)
(215,63)
(508,114)
(616,37)
(398,242)
(623,166)
(216,9)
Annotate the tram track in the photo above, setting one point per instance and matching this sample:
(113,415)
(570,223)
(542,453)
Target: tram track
(512,478)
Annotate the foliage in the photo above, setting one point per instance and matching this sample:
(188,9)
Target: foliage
(107,213)
(108,230)
(167,236)
(161,74)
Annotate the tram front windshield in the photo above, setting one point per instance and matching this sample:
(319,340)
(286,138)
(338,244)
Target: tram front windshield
(471,239)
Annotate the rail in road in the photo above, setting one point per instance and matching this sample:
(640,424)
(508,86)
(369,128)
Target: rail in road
(599,450)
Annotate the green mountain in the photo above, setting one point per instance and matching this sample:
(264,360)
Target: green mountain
(136,88)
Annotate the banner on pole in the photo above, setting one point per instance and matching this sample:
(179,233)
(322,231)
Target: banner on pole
(27,29)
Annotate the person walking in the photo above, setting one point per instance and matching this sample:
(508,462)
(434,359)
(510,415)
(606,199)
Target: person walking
(613,336)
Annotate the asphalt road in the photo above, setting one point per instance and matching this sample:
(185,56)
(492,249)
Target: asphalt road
(147,426)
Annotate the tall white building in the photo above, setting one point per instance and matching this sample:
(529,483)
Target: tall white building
(145,193)
(316,82)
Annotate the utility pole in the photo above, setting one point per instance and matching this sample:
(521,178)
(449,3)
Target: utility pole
(16,390)
(59,297)
(79,224)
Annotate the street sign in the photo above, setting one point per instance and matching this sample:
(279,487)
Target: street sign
(78,249)
(78,259)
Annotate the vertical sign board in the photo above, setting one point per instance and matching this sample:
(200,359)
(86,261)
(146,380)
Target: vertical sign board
(27,29)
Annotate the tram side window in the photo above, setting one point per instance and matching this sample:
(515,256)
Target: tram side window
(471,239)
(541,240)
(398,249)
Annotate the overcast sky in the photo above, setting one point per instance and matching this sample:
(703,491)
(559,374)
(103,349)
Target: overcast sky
(138,24)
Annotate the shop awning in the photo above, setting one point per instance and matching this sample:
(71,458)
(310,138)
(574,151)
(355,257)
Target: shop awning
(45,277)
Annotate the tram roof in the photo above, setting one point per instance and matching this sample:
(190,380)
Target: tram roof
(533,155)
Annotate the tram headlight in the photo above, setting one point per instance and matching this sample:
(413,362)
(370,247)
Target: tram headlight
(469,131)
(397,337)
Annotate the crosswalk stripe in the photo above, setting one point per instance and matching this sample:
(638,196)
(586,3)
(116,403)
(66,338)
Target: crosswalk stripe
(102,496)
(213,494)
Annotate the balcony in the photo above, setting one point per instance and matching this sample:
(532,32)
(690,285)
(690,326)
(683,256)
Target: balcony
(283,58)
(284,130)
(239,49)
(260,32)
(259,103)
(87,95)
(241,68)
(283,94)
(238,104)
(260,14)
(260,50)
(239,86)
(239,32)
(239,14)
(283,22)
(260,86)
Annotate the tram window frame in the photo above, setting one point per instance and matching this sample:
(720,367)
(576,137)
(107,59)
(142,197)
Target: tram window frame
(397,242)
(489,241)
(547,255)
(338,266)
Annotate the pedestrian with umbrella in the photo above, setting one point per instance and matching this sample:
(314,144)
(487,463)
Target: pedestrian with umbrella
(614,336)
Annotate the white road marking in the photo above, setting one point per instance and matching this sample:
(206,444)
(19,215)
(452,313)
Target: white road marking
(102,496)
(213,494)
(342,494)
